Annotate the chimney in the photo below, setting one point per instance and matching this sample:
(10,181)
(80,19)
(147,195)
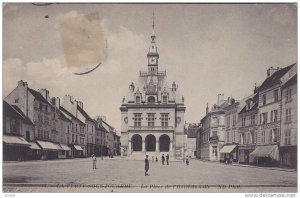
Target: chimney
(68,98)
(271,71)
(220,99)
(22,83)
(80,104)
(174,87)
(55,101)
(45,93)
(207,108)
(103,118)
(99,119)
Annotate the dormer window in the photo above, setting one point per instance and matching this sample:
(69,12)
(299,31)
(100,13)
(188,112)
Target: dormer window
(151,100)
(138,99)
(165,99)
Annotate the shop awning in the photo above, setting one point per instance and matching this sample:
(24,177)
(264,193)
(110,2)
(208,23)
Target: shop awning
(78,148)
(65,147)
(266,151)
(34,146)
(15,140)
(47,145)
(227,148)
(58,147)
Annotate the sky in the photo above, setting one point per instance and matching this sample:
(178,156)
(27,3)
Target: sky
(206,48)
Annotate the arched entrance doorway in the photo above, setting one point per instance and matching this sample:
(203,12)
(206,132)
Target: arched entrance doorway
(164,143)
(150,142)
(136,141)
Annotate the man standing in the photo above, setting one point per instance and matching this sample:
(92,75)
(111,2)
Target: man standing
(94,161)
(146,166)
(167,158)
(163,159)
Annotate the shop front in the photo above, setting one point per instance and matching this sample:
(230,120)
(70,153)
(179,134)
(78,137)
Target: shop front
(66,150)
(77,151)
(49,150)
(229,154)
(288,156)
(244,153)
(34,152)
(14,148)
(265,155)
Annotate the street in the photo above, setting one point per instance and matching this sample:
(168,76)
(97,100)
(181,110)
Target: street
(29,176)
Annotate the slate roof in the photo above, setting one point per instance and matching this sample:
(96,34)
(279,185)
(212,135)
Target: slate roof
(84,114)
(37,95)
(275,78)
(290,82)
(69,114)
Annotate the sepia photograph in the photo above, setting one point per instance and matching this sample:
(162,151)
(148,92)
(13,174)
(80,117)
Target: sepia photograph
(150,98)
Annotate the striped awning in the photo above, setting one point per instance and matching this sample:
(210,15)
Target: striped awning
(34,146)
(78,148)
(227,148)
(15,140)
(47,145)
(65,147)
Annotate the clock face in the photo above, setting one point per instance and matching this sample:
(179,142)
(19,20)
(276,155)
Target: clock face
(153,60)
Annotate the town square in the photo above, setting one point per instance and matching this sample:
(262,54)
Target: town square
(150,97)
(130,173)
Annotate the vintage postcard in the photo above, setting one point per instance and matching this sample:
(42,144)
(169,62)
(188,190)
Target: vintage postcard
(145,97)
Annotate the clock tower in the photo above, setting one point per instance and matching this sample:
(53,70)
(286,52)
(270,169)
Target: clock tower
(153,55)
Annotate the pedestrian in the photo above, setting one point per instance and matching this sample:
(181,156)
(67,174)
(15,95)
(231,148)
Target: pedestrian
(156,159)
(167,158)
(152,159)
(146,166)
(94,161)
(163,159)
(187,161)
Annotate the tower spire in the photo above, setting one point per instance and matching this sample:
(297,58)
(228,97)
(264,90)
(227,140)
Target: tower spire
(153,20)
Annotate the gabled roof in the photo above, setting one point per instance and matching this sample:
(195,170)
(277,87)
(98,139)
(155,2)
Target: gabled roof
(38,96)
(69,114)
(244,110)
(290,82)
(63,115)
(84,114)
(15,112)
(254,98)
(275,78)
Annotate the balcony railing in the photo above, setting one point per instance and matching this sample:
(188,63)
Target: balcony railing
(150,128)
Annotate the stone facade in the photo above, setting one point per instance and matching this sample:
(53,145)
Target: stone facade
(152,113)
(247,130)
(212,132)
(288,139)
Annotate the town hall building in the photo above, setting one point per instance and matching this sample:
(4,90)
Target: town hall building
(152,113)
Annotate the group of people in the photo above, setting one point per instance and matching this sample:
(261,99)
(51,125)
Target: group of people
(163,159)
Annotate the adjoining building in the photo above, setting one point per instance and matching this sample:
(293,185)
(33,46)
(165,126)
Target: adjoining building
(17,135)
(212,132)
(229,151)
(270,111)
(248,121)
(191,131)
(37,107)
(288,141)
(77,138)
(152,113)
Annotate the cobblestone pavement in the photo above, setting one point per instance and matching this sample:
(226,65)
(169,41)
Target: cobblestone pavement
(35,176)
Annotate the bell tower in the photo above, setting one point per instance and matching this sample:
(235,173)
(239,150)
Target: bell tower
(153,55)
